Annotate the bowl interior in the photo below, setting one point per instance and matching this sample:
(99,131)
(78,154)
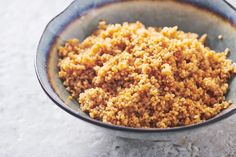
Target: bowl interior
(82,18)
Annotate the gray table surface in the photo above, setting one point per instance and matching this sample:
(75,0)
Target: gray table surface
(32,126)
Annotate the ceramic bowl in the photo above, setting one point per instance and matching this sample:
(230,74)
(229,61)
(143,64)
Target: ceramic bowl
(81,18)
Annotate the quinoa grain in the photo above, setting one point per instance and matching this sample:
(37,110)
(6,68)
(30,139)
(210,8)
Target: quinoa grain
(136,76)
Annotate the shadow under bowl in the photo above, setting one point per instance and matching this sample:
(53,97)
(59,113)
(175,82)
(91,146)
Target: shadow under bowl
(81,18)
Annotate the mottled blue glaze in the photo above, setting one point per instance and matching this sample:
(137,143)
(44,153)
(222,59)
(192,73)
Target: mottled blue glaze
(81,18)
(216,6)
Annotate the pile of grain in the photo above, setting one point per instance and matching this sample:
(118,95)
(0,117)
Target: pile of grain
(139,76)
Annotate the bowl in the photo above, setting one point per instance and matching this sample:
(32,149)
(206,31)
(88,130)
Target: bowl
(81,18)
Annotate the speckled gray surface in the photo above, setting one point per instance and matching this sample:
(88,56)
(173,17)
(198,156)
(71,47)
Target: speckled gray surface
(31,125)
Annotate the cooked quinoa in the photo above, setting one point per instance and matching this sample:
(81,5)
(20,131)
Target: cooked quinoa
(136,76)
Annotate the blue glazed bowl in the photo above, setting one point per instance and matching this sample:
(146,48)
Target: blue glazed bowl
(81,18)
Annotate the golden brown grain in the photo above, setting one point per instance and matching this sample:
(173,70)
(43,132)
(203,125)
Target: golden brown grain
(131,75)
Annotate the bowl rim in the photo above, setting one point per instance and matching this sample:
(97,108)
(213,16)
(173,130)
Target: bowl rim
(66,108)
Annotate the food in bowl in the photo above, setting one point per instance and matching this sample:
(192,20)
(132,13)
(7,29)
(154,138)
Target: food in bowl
(137,76)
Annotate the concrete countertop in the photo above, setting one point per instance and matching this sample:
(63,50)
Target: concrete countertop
(32,126)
